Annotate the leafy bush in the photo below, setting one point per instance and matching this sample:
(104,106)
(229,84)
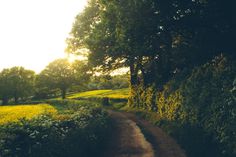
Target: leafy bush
(109,82)
(80,134)
(208,101)
(203,100)
(72,105)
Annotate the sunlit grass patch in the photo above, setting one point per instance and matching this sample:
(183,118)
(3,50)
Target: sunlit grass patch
(117,94)
(89,94)
(15,113)
(113,94)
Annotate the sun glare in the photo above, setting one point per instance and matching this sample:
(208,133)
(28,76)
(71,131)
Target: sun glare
(33,32)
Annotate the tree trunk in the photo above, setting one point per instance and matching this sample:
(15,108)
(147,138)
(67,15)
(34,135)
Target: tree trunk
(16,100)
(133,98)
(63,93)
(133,74)
(144,77)
(4,101)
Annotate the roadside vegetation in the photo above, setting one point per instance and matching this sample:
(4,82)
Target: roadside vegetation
(61,129)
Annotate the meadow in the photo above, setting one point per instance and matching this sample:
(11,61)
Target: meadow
(112,94)
(15,113)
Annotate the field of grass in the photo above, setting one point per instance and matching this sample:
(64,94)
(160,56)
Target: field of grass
(15,113)
(112,94)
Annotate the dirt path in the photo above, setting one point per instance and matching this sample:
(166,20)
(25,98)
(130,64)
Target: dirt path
(129,141)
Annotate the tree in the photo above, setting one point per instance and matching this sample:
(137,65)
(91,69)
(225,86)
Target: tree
(57,75)
(125,33)
(16,83)
(96,30)
(64,76)
(82,72)
(42,88)
(5,91)
(155,38)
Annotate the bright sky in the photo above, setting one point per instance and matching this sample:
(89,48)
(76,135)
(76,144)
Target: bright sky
(33,32)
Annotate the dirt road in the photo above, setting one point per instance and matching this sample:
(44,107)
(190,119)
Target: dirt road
(129,141)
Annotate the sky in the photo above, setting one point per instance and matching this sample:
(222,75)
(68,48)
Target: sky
(33,32)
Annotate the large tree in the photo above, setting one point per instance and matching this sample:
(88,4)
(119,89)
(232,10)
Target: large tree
(63,75)
(101,29)
(154,38)
(57,75)
(126,33)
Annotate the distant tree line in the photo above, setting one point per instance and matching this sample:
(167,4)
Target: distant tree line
(21,84)
(106,81)
(59,78)
(16,83)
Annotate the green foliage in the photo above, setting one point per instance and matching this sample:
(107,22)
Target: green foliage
(169,105)
(81,133)
(105,101)
(155,39)
(16,83)
(71,106)
(203,100)
(57,75)
(208,97)
(82,27)
(109,82)
(61,76)
(82,72)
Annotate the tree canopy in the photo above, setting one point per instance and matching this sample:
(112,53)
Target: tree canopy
(61,74)
(156,38)
(57,75)
(16,83)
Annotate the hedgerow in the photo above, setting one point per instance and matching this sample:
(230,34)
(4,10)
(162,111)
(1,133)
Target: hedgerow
(200,103)
(79,134)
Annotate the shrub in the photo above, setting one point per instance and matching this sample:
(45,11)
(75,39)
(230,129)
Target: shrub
(80,134)
(208,101)
(204,99)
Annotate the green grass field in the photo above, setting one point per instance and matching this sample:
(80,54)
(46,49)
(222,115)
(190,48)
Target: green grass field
(15,113)
(112,94)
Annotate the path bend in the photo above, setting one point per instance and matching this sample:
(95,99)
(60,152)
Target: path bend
(128,140)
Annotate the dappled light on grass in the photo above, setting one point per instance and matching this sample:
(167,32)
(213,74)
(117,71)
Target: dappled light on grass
(15,113)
